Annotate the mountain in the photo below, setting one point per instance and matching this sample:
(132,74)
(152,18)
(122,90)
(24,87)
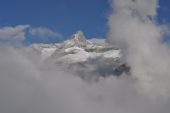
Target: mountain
(84,56)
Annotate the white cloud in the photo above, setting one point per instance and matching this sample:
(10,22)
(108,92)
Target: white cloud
(132,28)
(141,7)
(16,33)
(29,85)
(44,32)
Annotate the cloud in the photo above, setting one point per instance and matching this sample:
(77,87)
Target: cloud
(133,28)
(16,33)
(44,32)
(20,33)
(29,85)
(141,8)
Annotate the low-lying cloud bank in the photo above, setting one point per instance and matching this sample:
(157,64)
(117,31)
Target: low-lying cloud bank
(28,85)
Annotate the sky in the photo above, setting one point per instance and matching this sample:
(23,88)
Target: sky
(164,11)
(64,16)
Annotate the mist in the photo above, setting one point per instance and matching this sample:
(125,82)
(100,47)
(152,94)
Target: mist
(30,85)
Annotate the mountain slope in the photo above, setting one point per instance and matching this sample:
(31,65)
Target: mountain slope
(84,56)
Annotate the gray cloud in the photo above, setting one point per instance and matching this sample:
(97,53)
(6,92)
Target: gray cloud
(16,34)
(31,86)
(133,28)
(13,33)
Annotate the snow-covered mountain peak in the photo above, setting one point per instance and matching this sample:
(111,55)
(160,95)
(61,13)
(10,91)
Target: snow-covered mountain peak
(78,44)
(78,39)
(79,36)
(80,53)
